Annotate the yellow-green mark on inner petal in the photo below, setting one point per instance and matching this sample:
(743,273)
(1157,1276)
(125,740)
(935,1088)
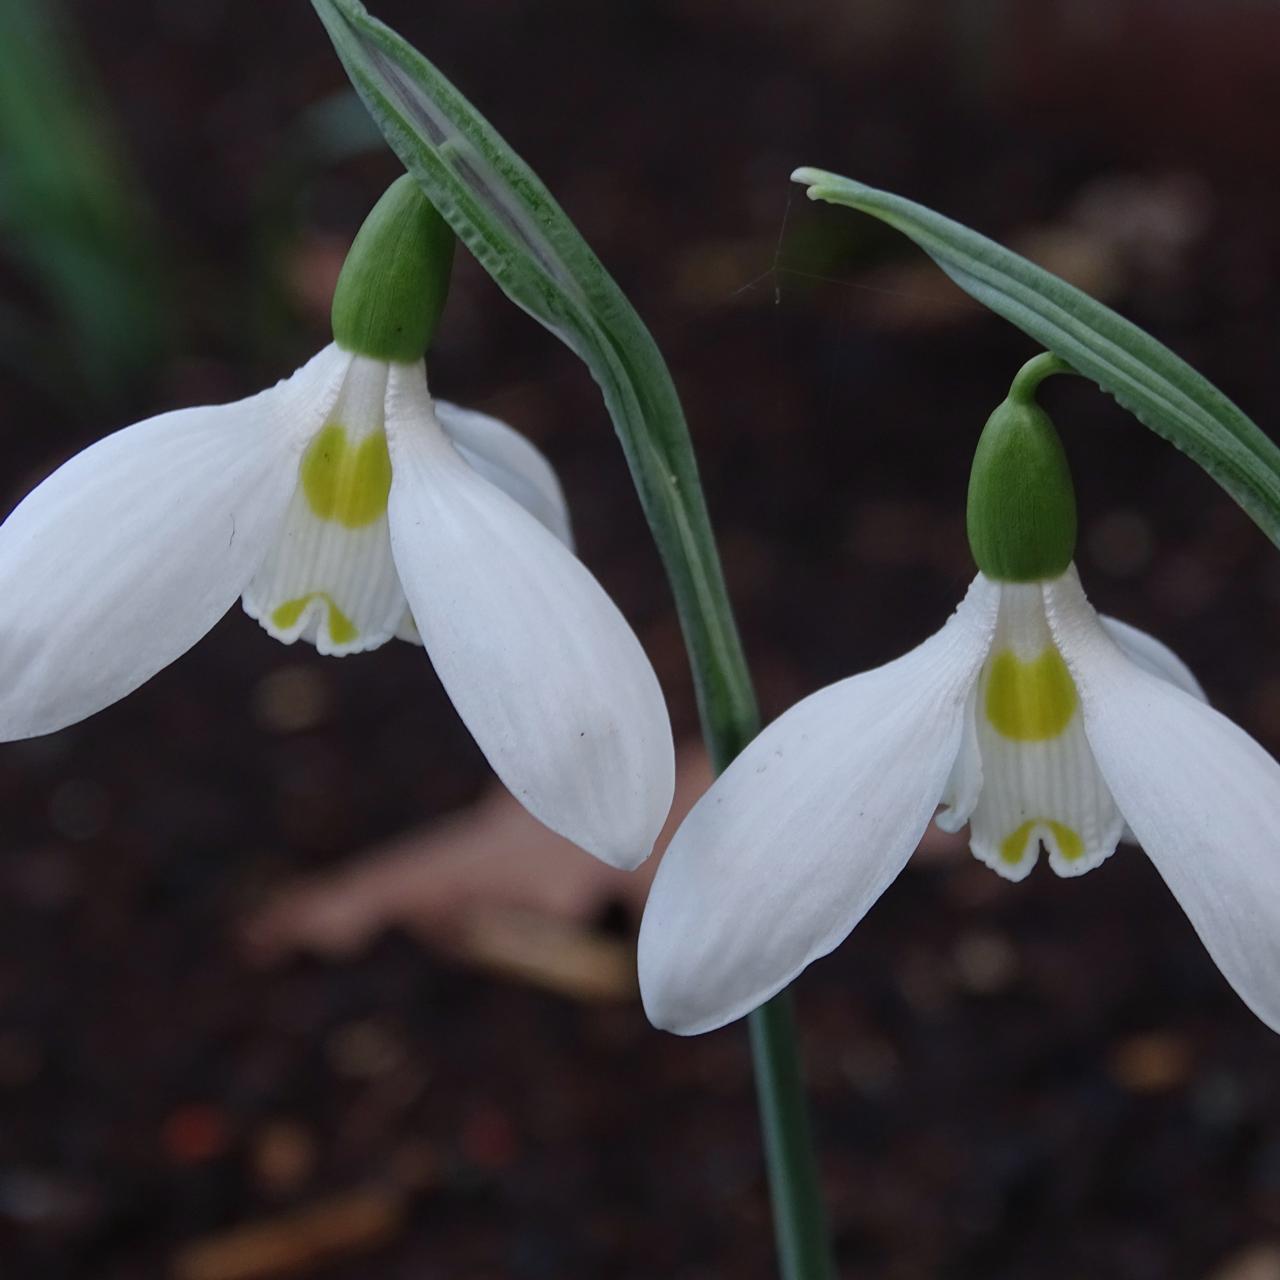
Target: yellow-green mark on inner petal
(341,629)
(1014,845)
(1030,701)
(345,483)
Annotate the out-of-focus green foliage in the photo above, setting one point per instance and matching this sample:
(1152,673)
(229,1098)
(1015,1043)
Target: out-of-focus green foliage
(337,128)
(74,223)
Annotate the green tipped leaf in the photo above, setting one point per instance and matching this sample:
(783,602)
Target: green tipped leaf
(1158,387)
(501,211)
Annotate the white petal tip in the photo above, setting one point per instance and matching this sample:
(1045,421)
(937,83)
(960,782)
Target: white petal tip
(624,857)
(614,809)
(668,1006)
(313,626)
(624,845)
(1013,871)
(670,1021)
(1069,868)
(1269,1018)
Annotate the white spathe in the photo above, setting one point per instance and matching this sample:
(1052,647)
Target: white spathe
(346,508)
(1030,718)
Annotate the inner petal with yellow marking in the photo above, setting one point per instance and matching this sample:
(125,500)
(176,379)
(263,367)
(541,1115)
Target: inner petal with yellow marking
(1029,701)
(341,628)
(330,578)
(1013,848)
(344,480)
(1040,786)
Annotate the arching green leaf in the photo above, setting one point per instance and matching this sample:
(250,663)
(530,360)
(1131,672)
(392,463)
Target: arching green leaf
(1158,387)
(501,211)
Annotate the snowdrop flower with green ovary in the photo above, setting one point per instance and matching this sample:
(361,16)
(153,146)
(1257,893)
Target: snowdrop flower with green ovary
(347,508)
(1027,716)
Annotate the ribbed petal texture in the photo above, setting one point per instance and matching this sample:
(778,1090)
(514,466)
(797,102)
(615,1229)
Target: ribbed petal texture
(806,828)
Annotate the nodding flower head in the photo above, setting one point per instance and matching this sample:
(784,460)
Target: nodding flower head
(1028,717)
(348,507)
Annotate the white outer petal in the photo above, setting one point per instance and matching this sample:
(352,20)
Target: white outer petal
(123,558)
(1153,655)
(964,787)
(506,458)
(806,828)
(542,667)
(1201,796)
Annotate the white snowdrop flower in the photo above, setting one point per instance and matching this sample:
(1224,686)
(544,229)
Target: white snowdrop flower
(347,507)
(1028,716)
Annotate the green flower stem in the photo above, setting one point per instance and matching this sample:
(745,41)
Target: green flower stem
(501,211)
(804,1252)
(1026,382)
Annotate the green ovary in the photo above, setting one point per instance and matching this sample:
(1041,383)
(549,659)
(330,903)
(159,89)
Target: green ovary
(1030,701)
(346,483)
(341,629)
(1014,845)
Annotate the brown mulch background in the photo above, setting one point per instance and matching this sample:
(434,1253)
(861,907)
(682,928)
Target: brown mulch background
(1038,1080)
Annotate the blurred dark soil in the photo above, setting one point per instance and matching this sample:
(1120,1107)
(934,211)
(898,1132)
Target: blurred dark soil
(1042,1080)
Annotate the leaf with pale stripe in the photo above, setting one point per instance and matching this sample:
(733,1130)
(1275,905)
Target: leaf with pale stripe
(511,223)
(1158,387)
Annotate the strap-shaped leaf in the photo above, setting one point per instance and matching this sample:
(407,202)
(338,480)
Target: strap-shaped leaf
(520,235)
(1159,388)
